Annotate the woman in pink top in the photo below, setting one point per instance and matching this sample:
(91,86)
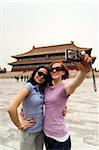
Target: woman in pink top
(56,132)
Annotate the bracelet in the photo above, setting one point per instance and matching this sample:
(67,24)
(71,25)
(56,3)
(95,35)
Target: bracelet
(22,128)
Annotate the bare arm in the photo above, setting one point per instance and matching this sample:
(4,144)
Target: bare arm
(84,68)
(12,108)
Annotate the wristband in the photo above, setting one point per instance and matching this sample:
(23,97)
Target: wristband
(22,128)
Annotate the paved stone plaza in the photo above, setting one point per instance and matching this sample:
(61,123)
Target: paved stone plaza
(82,117)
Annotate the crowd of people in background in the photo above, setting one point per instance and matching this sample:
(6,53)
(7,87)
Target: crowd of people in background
(22,77)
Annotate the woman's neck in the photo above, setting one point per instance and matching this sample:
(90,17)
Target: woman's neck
(57,81)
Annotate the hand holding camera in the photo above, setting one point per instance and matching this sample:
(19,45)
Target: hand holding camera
(75,55)
(82,60)
(85,63)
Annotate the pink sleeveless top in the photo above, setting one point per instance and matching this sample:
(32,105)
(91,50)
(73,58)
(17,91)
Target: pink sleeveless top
(55,102)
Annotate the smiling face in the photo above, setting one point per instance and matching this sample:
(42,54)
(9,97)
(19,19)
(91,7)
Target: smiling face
(41,75)
(56,71)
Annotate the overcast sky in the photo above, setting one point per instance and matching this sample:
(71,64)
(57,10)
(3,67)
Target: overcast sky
(24,23)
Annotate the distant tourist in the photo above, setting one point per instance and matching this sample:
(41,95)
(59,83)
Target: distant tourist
(21,77)
(27,77)
(24,78)
(17,78)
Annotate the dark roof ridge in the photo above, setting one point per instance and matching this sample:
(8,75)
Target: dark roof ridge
(72,43)
(53,45)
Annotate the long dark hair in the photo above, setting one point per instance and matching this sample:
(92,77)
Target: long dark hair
(47,82)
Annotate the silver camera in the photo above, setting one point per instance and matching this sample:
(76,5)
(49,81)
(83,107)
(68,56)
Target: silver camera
(73,55)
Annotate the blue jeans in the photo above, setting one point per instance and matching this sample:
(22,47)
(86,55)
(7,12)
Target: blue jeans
(52,144)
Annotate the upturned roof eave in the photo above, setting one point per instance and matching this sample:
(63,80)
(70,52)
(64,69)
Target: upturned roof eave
(45,53)
(52,49)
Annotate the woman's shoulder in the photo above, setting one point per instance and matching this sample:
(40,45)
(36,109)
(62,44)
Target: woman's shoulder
(29,85)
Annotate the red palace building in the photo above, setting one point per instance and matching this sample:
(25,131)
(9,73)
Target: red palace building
(44,56)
